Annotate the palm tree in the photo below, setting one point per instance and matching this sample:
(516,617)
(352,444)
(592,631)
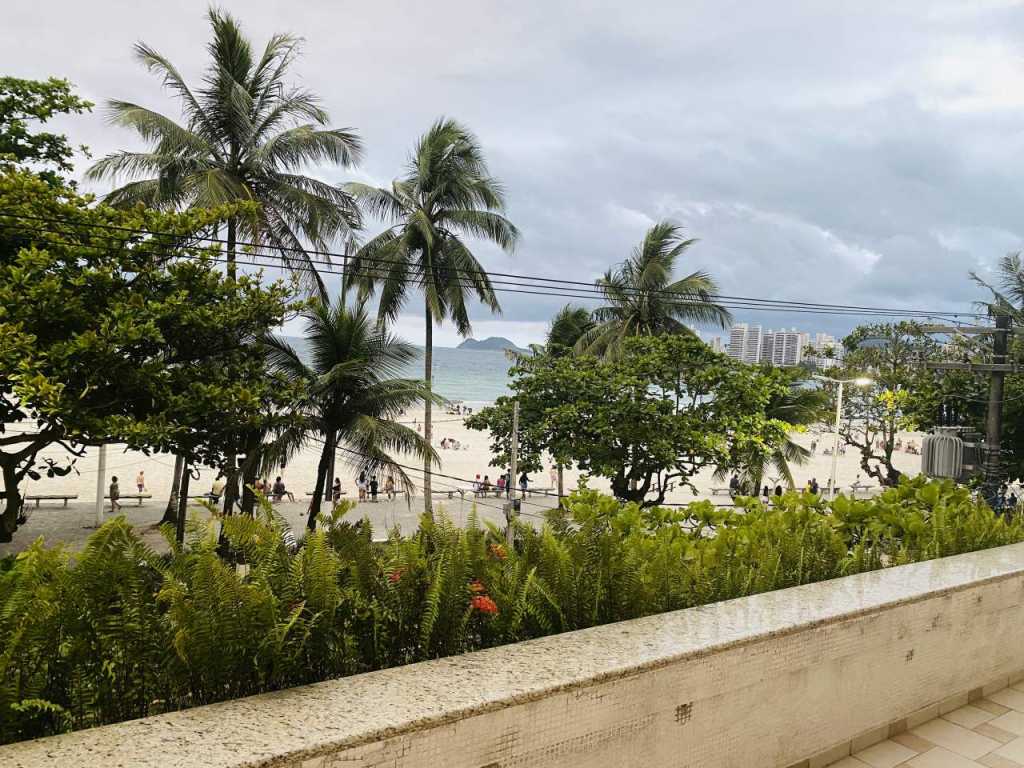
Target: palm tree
(568,326)
(445,195)
(798,406)
(1008,293)
(644,301)
(355,394)
(246,136)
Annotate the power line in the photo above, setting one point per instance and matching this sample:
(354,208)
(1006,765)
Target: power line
(550,286)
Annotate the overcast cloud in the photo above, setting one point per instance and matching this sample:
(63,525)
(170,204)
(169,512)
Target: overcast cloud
(856,153)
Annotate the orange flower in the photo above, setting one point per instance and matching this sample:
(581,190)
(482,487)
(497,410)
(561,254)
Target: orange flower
(498,551)
(395,576)
(476,587)
(484,604)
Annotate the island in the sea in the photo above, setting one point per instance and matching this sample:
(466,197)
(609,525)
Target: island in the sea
(491,342)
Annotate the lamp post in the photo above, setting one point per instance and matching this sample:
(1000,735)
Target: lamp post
(859,382)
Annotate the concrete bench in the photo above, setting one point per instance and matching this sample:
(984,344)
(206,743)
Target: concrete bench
(137,496)
(51,497)
(721,491)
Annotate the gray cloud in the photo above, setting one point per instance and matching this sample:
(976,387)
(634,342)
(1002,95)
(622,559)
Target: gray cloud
(861,153)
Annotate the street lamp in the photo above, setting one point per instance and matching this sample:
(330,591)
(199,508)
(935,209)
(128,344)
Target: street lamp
(860,381)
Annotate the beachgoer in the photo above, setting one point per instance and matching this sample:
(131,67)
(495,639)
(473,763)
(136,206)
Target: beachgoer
(486,487)
(501,484)
(389,487)
(814,446)
(734,485)
(477,485)
(778,491)
(524,481)
(553,476)
(336,490)
(140,481)
(766,493)
(373,489)
(217,489)
(279,490)
(361,485)
(814,486)
(115,494)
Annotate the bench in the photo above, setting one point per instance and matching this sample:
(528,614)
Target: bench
(327,496)
(51,497)
(139,496)
(540,491)
(721,491)
(451,493)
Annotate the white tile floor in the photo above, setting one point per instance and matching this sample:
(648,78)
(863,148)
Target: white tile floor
(987,733)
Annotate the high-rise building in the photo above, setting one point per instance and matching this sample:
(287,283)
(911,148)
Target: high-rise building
(745,343)
(716,344)
(782,348)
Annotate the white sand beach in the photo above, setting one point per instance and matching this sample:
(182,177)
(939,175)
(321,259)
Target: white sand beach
(458,467)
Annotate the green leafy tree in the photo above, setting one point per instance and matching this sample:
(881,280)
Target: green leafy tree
(107,335)
(644,300)
(23,105)
(651,418)
(355,394)
(446,194)
(246,136)
(893,356)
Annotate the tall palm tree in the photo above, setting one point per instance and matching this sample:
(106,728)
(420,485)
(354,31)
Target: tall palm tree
(568,326)
(446,194)
(246,136)
(643,300)
(351,373)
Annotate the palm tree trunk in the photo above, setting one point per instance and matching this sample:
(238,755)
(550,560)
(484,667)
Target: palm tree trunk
(428,359)
(561,483)
(171,511)
(321,476)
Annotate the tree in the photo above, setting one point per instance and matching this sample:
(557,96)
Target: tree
(355,395)
(246,136)
(26,102)
(568,326)
(446,194)
(798,406)
(648,419)
(892,355)
(107,335)
(644,301)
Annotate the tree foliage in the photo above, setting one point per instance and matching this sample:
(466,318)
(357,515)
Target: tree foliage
(23,105)
(664,409)
(107,334)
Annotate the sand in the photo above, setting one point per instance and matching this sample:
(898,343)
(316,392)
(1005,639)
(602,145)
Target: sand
(460,466)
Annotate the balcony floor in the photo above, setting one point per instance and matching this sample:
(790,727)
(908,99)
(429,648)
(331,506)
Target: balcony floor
(988,733)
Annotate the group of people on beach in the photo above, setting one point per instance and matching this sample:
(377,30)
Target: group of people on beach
(369,488)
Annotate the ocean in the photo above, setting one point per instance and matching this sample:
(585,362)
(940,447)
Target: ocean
(476,377)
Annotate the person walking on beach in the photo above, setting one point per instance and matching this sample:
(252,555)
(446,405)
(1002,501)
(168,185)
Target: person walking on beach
(814,486)
(115,495)
(140,481)
(373,489)
(501,485)
(361,485)
(389,487)
(524,481)
(336,490)
(486,487)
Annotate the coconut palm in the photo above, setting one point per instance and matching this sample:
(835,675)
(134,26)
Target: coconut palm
(445,195)
(568,326)
(643,300)
(246,136)
(355,394)
(799,406)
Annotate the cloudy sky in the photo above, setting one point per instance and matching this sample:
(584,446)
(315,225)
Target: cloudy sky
(856,153)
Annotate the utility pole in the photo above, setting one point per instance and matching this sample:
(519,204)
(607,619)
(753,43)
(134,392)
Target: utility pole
(101,472)
(510,508)
(997,370)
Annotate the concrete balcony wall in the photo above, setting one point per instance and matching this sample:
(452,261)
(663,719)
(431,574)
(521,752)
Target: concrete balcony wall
(789,678)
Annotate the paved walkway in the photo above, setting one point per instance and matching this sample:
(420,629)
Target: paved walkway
(988,732)
(74,524)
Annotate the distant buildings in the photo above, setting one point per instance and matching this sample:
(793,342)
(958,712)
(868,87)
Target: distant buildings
(751,344)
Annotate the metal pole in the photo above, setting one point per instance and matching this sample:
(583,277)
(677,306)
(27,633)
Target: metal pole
(100,482)
(994,417)
(835,444)
(510,513)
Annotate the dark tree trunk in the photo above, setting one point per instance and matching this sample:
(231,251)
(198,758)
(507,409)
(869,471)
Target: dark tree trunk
(171,510)
(12,502)
(321,475)
(428,359)
(248,481)
(179,526)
